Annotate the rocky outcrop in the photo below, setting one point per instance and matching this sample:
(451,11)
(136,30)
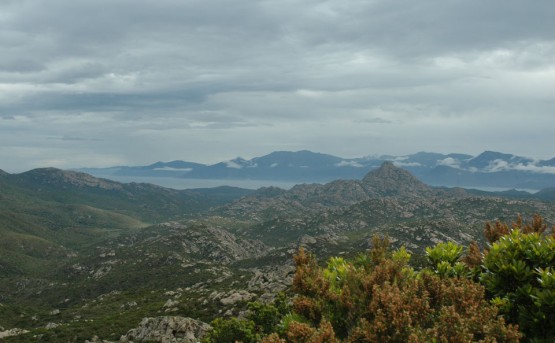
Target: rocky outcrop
(305,199)
(191,243)
(12,332)
(167,330)
(271,280)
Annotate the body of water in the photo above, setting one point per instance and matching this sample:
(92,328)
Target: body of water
(178,183)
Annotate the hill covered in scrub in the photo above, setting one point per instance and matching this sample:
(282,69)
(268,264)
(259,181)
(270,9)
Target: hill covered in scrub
(83,256)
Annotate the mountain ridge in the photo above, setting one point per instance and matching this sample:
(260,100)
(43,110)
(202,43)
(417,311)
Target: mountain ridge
(454,169)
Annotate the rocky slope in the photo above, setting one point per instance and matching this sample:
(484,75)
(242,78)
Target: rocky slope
(387,181)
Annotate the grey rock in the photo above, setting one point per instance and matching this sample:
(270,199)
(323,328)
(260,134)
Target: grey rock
(171,303)
(51,326)
(167,329)
(236,297)
(12,332)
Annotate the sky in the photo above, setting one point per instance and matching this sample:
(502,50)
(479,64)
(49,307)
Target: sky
(101,83)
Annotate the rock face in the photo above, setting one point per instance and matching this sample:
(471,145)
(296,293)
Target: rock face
(167,330)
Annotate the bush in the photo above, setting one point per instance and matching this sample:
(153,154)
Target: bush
(380,298)
(231,330)
(518,275)
(516,270)
(262,319)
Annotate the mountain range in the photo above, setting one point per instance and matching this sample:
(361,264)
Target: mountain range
(488,169)
(82,256)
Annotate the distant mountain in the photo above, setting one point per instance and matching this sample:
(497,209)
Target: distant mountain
(548,163)
(489,169)
(300,166)
(492,160)
(546,194)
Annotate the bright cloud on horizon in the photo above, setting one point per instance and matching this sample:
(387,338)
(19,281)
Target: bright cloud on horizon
(103,83)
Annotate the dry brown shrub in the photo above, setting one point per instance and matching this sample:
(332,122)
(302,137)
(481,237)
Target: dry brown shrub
(387,301)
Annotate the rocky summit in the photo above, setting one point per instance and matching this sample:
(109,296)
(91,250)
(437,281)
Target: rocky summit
(389,180)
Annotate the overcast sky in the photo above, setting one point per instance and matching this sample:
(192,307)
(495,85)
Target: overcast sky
(130,82)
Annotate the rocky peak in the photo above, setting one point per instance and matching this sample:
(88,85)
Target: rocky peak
(391,180)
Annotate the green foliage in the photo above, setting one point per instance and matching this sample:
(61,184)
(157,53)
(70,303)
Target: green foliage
(444,252)
(518,275)
(231,330)
(263,319)
(445,259)
(336,273)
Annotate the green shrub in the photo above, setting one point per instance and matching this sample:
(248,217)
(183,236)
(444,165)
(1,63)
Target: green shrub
(262,319)
(518,275)
(445,259)
(231,330)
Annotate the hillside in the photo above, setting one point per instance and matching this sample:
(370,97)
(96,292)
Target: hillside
(48,214)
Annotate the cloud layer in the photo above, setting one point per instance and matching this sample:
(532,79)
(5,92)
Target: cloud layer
(97,83)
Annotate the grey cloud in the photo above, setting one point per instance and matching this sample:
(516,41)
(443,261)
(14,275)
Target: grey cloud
(74,74)
(76,139)
(413,29)
(375,120)
(21,66)
(182,72)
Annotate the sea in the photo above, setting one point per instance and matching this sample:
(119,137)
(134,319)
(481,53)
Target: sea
(179,183)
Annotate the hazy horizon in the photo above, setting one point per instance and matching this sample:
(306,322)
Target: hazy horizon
(147,163)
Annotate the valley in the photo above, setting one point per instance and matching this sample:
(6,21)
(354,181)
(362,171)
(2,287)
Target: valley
(82,256)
